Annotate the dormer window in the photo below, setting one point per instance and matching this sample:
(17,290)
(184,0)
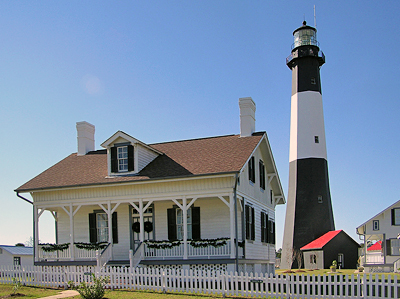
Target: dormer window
(122,158)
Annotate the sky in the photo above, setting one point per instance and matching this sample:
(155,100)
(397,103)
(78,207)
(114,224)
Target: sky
(172,70)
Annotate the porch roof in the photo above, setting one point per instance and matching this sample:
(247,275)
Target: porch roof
(186,158)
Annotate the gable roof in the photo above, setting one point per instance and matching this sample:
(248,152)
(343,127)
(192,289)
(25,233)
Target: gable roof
(321,241)
(376,247)
(121,134)
(204,156)
(17,250)
(360,232)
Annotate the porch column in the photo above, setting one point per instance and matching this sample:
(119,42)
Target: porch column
(71,229)
(36,232)
(232,224)
(184,215)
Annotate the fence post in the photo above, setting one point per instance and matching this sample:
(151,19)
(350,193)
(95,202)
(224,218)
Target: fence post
(131,258)
(223,279)
(164,282)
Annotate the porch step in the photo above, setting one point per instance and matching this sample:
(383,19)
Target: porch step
(120,263)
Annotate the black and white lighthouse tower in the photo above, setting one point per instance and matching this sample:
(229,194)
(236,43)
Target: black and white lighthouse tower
(309,212)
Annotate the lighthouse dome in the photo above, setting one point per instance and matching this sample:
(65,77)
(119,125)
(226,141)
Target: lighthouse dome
(305,36)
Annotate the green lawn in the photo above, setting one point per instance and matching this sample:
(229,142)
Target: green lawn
(328,271)
(29,292)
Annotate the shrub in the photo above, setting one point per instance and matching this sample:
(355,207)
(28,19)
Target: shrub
(93,290)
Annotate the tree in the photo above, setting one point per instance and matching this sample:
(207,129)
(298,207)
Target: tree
(20,245)
(298,255)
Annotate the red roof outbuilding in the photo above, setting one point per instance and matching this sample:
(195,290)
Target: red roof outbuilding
(321,241)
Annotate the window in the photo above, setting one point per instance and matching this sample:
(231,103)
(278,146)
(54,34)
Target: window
(252,171)
(175,223)
(313,81)
(316,139)
(375,225)
(250,225)
(122,158)
(313,259)
(102,227)
(17,261)
(393,247)
(396,216)
(99,227)
(262,174)
(319,198)
(264,227)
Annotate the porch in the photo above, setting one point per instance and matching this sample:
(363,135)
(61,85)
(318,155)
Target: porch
(164,250)
(135,227)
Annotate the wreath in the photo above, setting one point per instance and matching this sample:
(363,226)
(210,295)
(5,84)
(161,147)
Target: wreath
(148,226)
(136,227)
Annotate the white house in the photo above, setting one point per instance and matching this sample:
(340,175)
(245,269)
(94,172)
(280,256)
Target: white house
(205,203)
(382,230)
(16,255)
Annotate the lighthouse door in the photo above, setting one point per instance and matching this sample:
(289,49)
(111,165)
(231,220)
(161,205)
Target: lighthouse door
(148,220)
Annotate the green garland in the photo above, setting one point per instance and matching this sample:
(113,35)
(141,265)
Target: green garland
(91,246)
(47,247)
(162,244)
(208,242)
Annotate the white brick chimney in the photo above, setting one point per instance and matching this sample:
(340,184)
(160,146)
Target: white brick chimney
(247,116)
(85,137)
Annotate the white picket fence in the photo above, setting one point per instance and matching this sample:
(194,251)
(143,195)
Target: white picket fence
(211,282)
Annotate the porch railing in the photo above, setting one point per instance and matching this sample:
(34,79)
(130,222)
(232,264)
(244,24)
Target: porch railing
(64,255)
(193,252)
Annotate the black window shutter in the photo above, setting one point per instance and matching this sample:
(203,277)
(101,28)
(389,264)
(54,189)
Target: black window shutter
(262,226)
(262,174)
(131,164)
(195,223)
(388,247)
(92,228)
(253,225)
(115,227)
(247,216)
(269,234)
(393,217)
(251,170)
(114,160)
(171,224)
(273,233)
(266,234)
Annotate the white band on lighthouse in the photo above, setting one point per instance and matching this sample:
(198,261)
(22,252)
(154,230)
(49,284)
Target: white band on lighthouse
(307,130)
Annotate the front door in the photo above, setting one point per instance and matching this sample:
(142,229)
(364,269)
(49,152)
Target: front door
(148,219)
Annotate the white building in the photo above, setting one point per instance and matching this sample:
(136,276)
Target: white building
(383,230)
(204,203)
(16,255)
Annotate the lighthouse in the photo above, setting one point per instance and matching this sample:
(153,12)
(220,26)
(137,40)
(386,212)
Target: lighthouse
(309,212)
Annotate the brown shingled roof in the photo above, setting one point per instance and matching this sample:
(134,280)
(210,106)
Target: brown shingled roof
(181,158)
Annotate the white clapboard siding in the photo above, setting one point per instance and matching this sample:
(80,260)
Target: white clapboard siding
(144,156)
(132,191)
(210,282)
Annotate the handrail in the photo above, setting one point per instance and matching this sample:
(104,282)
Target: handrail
(104,256)
(136,256)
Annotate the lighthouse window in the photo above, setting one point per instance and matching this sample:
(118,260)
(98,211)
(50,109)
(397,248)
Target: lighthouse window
(319,198)
(316,139)
(313,81)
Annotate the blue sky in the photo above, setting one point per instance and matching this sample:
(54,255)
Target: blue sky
(171,70)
